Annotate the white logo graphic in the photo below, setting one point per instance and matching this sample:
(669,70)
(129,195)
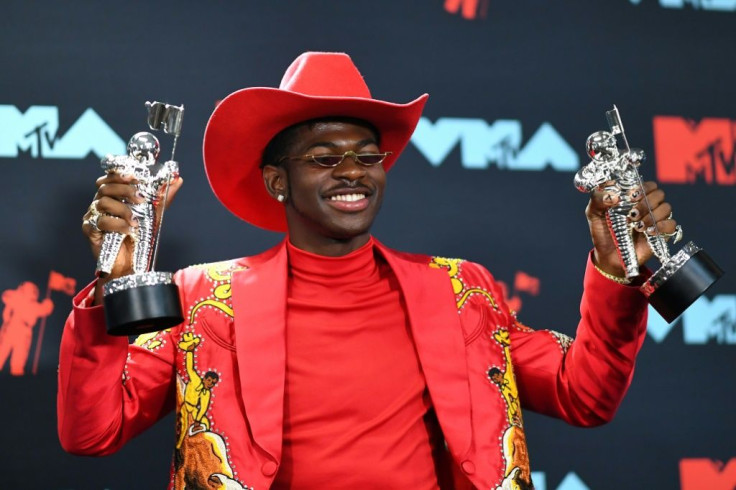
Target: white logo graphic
(35,132)
(721,5)
(705,321)
(483,144)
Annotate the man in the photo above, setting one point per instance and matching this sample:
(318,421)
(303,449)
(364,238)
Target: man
(342,363)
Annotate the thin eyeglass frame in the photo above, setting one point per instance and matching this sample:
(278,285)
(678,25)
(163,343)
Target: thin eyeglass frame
(350,153)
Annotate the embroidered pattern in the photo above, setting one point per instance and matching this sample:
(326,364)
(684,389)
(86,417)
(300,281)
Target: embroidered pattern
(220,273)
(152,341)
(201,454)
(517,474)
(461,290)
(562,340)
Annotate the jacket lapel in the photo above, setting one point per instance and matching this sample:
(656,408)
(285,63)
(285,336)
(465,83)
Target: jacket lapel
(435,325)
(259,303)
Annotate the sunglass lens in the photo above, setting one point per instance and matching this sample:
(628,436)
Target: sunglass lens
(371,159)
(328,160)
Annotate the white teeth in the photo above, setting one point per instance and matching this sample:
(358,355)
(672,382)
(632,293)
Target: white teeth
(348,197)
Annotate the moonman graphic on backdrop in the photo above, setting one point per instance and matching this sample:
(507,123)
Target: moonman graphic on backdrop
(22,311)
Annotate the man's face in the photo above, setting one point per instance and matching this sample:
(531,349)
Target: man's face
(325,206)
(209,382)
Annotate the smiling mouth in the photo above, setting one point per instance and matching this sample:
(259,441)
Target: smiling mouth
(347,197)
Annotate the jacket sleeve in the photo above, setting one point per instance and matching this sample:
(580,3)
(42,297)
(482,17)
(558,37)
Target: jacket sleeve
(583,381)
(109,391)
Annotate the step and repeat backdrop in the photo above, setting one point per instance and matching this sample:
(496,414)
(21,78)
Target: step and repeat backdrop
(515,89)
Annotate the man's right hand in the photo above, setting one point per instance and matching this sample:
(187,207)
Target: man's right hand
(113,192)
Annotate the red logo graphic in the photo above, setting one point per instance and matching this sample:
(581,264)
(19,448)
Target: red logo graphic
(469,9)
(22,311)
(523,283)
(687,151)
(700,473)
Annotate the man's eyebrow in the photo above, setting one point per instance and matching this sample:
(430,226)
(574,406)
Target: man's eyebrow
(332,145)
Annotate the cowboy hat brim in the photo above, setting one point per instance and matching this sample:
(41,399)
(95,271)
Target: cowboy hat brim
(244,122)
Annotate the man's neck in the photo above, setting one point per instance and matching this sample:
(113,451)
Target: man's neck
(331,247)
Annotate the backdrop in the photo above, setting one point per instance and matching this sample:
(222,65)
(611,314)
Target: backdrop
(515,89)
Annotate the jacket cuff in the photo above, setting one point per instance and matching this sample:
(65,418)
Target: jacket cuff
(89,321)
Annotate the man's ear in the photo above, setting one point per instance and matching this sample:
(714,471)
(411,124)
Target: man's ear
(275,179)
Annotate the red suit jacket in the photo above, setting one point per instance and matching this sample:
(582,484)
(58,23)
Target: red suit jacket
(223,369)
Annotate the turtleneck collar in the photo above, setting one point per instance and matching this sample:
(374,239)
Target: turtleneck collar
(356,269)
(313,264)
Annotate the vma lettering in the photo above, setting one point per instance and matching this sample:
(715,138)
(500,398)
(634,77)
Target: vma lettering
(715,5)
(35,133)
(482,144)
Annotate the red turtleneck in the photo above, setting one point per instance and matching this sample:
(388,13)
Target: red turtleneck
(355,398)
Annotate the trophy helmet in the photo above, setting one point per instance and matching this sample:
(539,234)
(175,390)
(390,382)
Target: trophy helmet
(601,146)
(144,146)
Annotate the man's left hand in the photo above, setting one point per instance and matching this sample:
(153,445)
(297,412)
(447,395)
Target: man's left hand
(605,254)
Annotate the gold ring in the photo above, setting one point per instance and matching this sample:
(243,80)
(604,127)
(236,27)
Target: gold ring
(677,234)
(94,216)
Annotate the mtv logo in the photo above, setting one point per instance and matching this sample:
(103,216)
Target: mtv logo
(688,152)
(704,321)
(701,473)
(482,144)
(35,132)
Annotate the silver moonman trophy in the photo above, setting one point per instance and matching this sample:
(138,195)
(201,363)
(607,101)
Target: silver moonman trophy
(684,276)
(147,300)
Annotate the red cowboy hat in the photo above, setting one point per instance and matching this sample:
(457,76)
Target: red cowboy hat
(315,85)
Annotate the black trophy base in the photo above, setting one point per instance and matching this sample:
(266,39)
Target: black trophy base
(142,309)
(673,296)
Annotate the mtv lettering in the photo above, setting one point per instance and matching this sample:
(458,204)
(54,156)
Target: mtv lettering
(35,133)
(722,5)
(701,473)
(705,321)
(482,144)
(687,151)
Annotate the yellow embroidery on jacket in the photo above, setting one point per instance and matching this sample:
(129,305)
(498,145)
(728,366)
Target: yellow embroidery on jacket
(201,454)
(221,274)
(197,393)
(517,473)
(151,341)
(458,286)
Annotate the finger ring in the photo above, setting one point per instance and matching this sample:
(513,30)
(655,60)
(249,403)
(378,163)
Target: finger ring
(95,216)
(677,234)
(92,221)
(670,216)
(93,209)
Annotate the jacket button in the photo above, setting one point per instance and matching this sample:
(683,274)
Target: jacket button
(468,467)
(269,468)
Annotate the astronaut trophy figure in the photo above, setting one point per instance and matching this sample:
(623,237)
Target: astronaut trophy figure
(146,300)
(618,173)
(152,177)
(684,276)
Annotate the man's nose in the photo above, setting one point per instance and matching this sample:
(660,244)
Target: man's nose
(349,169)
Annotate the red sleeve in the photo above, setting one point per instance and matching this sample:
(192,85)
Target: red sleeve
(583,382)
(109,391)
